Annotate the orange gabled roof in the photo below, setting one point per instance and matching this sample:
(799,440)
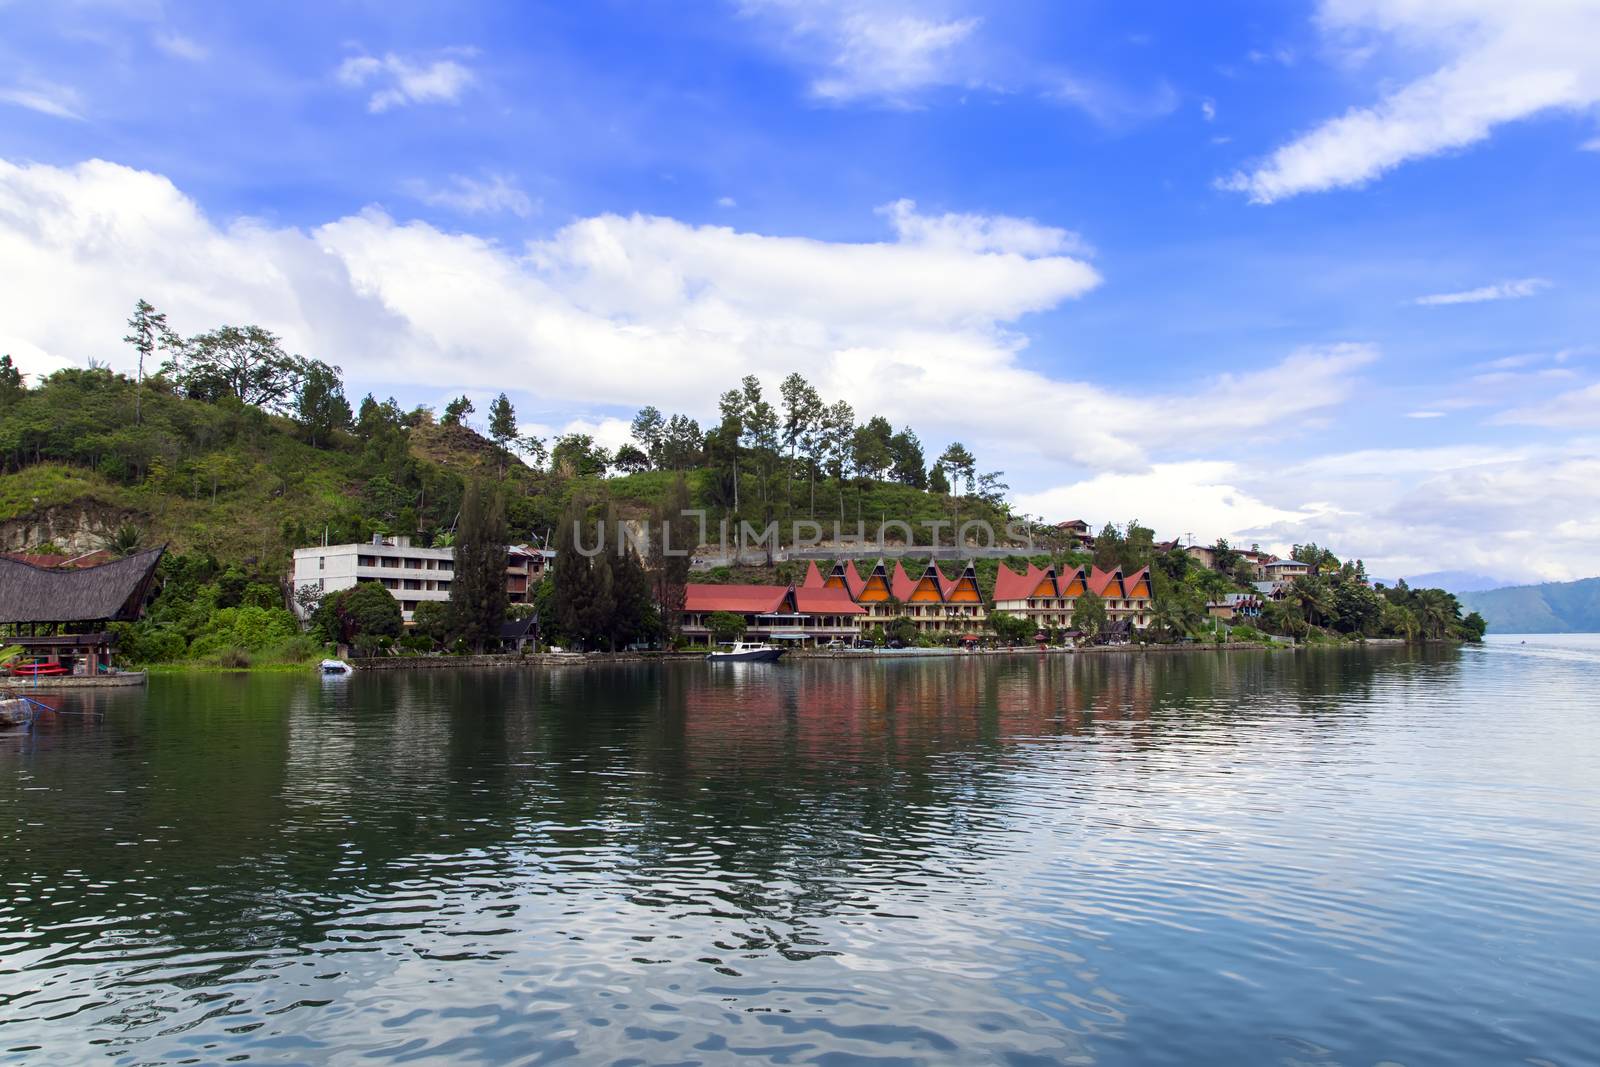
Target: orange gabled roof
(1045,583)
(1072,584)
(1131,583)
(876,587)
(739,599)
(1009,585)
(814,600)
(900,584)
(1100,581)
(930,587)
(963,589)
(813,577)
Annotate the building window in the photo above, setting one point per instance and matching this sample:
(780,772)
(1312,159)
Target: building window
(322,563)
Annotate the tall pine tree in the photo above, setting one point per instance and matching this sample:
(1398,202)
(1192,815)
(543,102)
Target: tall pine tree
(478,590)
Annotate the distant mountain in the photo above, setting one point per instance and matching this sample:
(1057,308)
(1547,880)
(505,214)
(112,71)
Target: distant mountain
(1457,582)
(1551,608)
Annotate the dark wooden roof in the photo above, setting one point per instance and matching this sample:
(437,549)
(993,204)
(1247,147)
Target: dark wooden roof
(111,592)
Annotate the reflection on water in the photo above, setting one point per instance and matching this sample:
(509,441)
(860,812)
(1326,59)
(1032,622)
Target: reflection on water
(1342,857)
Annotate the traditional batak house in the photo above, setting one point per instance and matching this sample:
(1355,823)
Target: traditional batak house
(1038,595)
(1127,599)
(62,617)
(807,615)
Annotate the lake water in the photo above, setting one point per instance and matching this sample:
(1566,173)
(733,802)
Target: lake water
(1364,857)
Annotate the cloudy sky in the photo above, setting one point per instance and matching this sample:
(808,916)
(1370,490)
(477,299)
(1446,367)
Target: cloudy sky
(1277,271)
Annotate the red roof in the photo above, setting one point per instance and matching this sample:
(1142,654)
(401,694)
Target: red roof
(739,599)
(813,577)
(1099,580)
(818,601)
(1009,585)
(900,584)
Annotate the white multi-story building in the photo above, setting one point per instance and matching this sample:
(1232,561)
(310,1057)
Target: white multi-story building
(411,574)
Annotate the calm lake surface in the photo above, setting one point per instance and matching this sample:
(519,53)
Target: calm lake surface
(1363,857)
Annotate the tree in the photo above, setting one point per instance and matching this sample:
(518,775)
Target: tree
(937,482)
(1089,614)
(630,460)
(759,424)
(960,464)
(682,444)
(456,412)
(677,532)
(431,619)
(649,429)
(1310,597)
(364,610)
(838,437)
(146,330)
(1011,629)
(533,450)
(906,459)
(1108,547)
(869,452)
(244,362)
(1473,627)
(321,407)
(634,616)
(725,626)
(478,589)
(991,490)
(577,456)
(583,595)
(124,540)
(502,421)
(802,409)
(11,384)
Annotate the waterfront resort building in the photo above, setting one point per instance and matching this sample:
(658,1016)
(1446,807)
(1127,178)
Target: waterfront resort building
(411,573)
(62,616)
(782,614)
(1048,599)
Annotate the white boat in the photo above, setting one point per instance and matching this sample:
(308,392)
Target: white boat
(334,666)
(746,652)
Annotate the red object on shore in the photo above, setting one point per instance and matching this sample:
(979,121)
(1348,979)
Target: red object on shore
(34,669)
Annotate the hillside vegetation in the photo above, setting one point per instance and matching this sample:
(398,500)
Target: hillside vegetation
(1549,608)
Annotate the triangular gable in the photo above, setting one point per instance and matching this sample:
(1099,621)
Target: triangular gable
(929,589)
(876,588)
(845,576)
(964,589)
(1045,582)
(813,578)
(1106,584)
(1074,584)
(1138,587)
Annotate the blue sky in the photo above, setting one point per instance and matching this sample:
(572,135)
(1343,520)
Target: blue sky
(1278,271)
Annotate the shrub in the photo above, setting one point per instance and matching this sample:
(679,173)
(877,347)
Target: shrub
(232,657)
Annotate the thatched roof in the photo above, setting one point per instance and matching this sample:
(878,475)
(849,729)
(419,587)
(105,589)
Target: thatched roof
(111,592)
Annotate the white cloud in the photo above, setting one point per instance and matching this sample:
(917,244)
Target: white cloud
(1577,408)
(55,100)
(1498,62)
(886,50)
(1510,290)
(1208,110)
(727,201)
(1591,145)
(623,311)
(490,195)
(1425,414)
(397,80)
(181,47)
(1198,497)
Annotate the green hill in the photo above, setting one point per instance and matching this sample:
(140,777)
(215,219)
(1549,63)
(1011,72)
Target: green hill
(240,484)
(1550,608)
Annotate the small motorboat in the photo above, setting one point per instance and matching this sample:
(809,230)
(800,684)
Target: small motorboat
(746,652)
(334,666)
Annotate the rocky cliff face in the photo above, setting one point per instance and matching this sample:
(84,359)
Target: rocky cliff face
(74,528)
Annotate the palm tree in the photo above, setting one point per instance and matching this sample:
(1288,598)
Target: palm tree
(1311,597)
(124,540)
(1435,612)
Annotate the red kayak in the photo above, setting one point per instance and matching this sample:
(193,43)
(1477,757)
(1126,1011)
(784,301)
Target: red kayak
(36,669)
